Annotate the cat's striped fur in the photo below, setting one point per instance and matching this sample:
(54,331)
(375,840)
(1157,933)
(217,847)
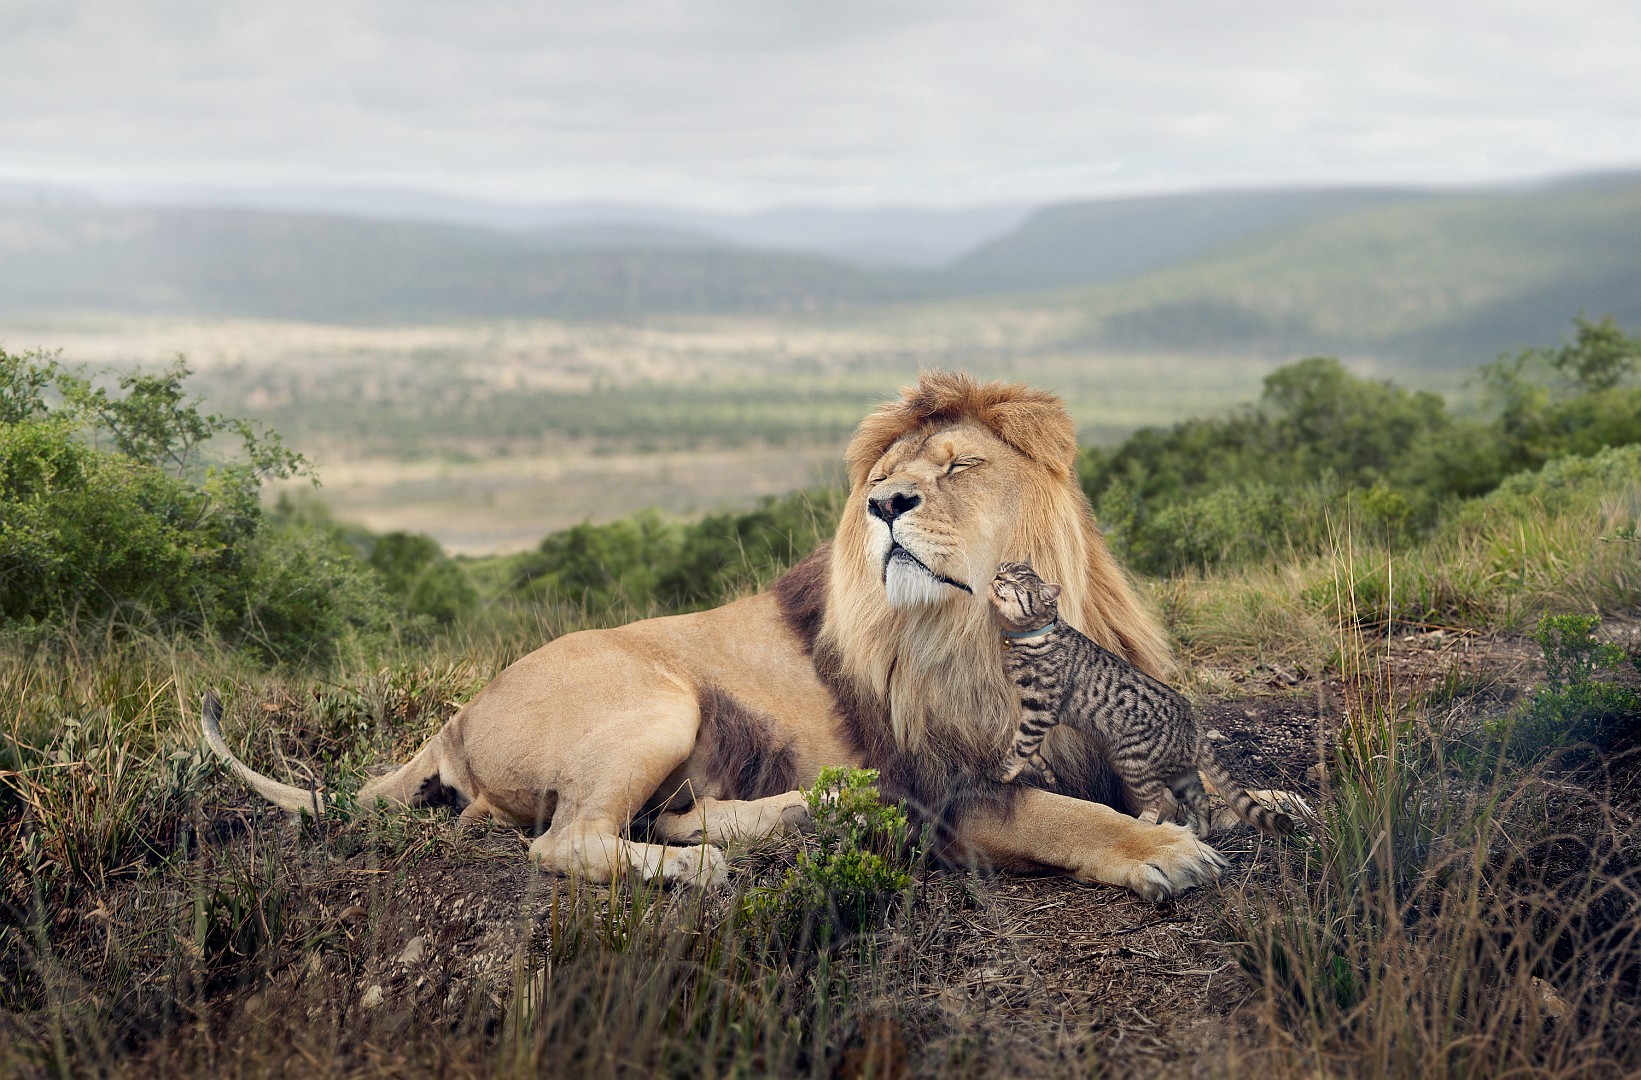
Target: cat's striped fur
(1146,729)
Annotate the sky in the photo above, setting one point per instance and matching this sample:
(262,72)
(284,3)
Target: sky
(736,105)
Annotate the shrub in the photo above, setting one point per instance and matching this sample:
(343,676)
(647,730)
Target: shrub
(424,579)
(112,508)
(855,866)
(1386,463)
(1573,706)
(645,562)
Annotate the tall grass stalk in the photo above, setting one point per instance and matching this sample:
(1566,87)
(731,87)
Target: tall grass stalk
(1439,924)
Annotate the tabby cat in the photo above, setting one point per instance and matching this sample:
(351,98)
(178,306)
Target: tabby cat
(1146,729)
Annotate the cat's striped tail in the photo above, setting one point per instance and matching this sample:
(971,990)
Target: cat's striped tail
(1242,804)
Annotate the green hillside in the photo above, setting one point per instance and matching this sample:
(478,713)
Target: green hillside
(1449,281)
(1083,243)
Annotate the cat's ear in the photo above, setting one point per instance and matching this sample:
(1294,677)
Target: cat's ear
(1051,593)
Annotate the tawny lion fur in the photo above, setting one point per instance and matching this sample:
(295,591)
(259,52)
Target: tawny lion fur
(647,745)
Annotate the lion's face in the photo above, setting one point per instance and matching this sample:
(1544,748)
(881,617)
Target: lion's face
(939,511)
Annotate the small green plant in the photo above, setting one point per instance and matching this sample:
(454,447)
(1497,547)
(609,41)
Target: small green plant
(1574,705)
(857,863)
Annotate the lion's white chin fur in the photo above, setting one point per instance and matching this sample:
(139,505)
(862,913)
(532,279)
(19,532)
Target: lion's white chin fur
(908,585)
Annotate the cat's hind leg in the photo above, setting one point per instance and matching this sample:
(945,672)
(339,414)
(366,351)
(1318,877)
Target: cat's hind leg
(1193,798)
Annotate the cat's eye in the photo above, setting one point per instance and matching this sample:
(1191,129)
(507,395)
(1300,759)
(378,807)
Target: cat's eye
(959,464)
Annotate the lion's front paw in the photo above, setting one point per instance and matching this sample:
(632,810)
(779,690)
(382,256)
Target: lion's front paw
(1176,861)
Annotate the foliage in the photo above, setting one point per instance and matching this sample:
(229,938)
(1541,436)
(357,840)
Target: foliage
(1262,483)
(110,509)
(427,581)
(645,562)
(1574,705)
(854,866)
(1326,450)
(1568,400)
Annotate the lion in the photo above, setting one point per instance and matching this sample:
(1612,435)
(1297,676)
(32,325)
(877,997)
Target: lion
(644,748)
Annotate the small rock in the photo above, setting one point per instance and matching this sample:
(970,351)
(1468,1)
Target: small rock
(1213,734)
(373,997)
(412,951)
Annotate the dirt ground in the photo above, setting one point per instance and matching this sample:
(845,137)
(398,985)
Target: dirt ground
(1032,975)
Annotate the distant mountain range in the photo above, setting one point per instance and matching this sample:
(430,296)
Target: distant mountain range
(1415,275)
(891,236)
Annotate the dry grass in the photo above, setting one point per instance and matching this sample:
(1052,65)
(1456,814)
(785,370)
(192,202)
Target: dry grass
(1451,916)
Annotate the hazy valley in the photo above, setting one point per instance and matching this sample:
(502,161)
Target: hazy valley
(486,377)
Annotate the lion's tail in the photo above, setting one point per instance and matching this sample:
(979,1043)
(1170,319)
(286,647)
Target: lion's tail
(1242,804)
(285,796)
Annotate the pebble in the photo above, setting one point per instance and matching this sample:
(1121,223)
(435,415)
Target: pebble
(413,951)
(373,997)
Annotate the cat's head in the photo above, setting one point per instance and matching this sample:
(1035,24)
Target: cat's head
(1020,600)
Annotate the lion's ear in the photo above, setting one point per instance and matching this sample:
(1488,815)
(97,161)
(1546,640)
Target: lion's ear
(1041,430)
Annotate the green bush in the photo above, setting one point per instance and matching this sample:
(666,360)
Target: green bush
(424,579)
(113,507)
(844,880)
(644,562)
(1573,705)
(1325,453)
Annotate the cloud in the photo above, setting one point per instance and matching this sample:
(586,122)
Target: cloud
(752,102)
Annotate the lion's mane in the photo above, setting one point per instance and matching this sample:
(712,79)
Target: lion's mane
(922,690)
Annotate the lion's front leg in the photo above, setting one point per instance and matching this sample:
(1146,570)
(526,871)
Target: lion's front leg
(1090,842)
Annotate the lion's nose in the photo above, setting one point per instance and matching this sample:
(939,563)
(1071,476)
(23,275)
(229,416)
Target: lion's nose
(890,507)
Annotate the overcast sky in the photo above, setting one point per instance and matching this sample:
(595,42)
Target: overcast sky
(739,105)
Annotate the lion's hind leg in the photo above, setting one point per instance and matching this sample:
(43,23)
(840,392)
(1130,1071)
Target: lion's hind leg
(598,803)
(411,783)
(594,852)
(719,821)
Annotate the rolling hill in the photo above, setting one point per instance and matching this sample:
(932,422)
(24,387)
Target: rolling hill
(886,235)
(1086,242)
(1448,281)
(304,266)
